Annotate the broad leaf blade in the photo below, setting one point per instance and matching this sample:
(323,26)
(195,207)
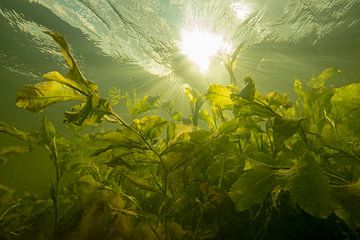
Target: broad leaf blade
(248,91)
(319,81)
(243,107)
(349,197)
(124,139)
(74,72)
(252,187)
(90,113)
(284,129)
(179,154)
(37,97)
(219,96)
(140,182)
(346,107)
(150,126)
(58,77)
(309,188)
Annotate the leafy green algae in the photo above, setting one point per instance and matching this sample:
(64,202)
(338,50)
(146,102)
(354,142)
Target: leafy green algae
(169,177)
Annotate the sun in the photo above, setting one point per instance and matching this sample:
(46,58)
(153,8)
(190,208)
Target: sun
(201,46)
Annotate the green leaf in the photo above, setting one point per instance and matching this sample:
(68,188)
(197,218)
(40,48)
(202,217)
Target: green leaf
(140,182)
(349,211)
(252,187)
(150,126)
(243,107)
(219,96)
(229,126)
(58,77)
(248,91)
(37,97)
(145,104)
(196,101)
(347,97)
(309,188)
(346,101)
(260,159)
(90,113)
(48,131)
(283,129)
(90,180)
(13,131)
(346,106)
(208,118)
(179,154)
(74,73)
(276,100)
(119,139)
(191,95)
(11,151)
(176,131)
(319,81)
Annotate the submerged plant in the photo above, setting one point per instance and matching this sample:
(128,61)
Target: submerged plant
(172,177)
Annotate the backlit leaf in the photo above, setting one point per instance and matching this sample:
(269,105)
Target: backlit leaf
(58,77)
(145,104)
(119,139)
(150,126)
(243,107)
(219,96)
(74,72)
(37,97)
(90,113)
(319,81)
(346,100)
(252,187)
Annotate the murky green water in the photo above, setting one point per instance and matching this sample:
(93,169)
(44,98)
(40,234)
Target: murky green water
(183,52)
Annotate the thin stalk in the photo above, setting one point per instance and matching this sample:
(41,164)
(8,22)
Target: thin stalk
(56,196)
(165,203)
(7,210)
(160,159)
(229,67)
(143,213)
(54,190)
(240,147)
(198,224)
(137,133)
(269,136)
(336,177)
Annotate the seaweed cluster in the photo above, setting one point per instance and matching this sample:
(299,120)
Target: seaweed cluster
(243,165)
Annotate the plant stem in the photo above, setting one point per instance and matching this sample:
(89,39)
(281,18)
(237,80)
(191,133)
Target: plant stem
(56,190)
(198,224)
(143,212)
(165,203)
(161,161)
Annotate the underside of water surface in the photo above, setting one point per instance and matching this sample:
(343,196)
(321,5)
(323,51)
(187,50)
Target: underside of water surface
(179,119)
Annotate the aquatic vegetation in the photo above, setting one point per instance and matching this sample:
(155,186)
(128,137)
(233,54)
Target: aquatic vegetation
(240,155)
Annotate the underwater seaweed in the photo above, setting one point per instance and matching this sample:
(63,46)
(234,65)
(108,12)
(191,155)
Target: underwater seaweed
(241,157)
